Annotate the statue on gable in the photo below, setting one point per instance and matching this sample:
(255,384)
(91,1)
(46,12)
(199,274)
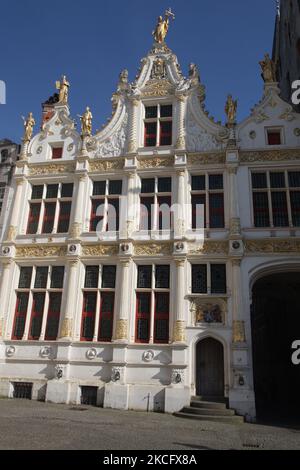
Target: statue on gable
(162,27)
(29,124)
(231,109)
(268,69)
(63,86)
(86,122)
(194,73)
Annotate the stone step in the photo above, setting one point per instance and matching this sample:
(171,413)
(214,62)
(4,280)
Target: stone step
(208,404)
(215,418)
(214,399)
(208,411)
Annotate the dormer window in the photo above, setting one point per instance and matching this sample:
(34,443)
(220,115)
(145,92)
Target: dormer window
(57,153)
(274,137)
(158,125)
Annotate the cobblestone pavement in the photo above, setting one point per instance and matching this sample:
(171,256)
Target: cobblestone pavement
(28,424)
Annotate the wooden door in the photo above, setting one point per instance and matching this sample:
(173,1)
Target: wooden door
(210,368)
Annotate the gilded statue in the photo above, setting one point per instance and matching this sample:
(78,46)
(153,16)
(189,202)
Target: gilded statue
(86,122)
(230,109)
(63,86)
(268,69)
(29,123)
(162,27)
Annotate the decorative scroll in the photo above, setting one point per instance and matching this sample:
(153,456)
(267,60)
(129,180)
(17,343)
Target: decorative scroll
(269,156)
(153,249)
(51,169)
(272,246)
(40,251)
(100,250)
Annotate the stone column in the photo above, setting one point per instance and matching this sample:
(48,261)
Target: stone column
(238,324)
(4,292)
(179,333)
(180,143)
(68,316)
(179,220)
(76,227)
(130,216)
(121,332)
(132,134)
(14,221)
(235,224)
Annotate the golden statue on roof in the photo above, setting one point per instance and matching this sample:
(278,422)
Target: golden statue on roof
(63,86)
(231,109)
(86,122)
(162,27)
(268,68)
(29,124)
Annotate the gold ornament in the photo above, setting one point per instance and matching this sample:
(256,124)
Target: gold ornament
(51,169)
(29,124)
(40,251)
(66,329)
(268,69)
(162,27)
(230,110)
(63,86)
(86,122)
(121,329)
(238,331)
(154,162)
(153,249)
(100,250)
(179,334)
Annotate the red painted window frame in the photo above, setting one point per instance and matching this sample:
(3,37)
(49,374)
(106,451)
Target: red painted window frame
(57,153)
(161,316)
(86,314)
(148,135)
(216,210)
(165,134)
(36,314)
(20,314)
(53,314)
(95,204)
(48,218)
(106,316)
(64,217)
(33,218)
(146,316)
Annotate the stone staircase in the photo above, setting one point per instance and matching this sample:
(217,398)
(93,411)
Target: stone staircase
(210,409)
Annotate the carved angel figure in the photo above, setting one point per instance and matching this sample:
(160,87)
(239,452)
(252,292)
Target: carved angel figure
(123,77)
(268,69)
(63,87)
(230,109)
(193,72)
(86,122)
(29,123)
(161,29)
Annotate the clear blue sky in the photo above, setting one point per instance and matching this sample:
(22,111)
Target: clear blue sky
(91,41)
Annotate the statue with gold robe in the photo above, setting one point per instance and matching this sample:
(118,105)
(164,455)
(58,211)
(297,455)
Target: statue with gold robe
(86,122)
(63,86)
(29,123)
(230,109)
(268,69)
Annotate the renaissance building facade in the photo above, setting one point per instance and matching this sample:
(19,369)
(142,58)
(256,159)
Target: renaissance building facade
(113,307)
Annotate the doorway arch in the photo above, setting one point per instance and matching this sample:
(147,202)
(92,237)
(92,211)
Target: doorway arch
(275,324)
(210,368)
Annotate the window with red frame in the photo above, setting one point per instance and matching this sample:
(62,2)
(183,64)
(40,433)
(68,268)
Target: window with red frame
(98,302)
(158,125)
(38,289)
(156,195)
(53,204)
(106,201)
(152,304)
(207,190)
(57,152)
(274,137)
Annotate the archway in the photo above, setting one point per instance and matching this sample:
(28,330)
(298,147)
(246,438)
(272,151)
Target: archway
(275,322)
(210,368)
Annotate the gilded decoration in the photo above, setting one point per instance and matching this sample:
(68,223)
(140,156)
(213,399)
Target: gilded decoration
(122,329)
(269,156)
(40,251)
(11,233)
(154,162)
(51,169)
(209,247)
(208,312)
(157,88)
(100,250)
(238,331)
(106,165)
(206,159)
(66,329)
(273,246)
(153,249)
(179,334)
